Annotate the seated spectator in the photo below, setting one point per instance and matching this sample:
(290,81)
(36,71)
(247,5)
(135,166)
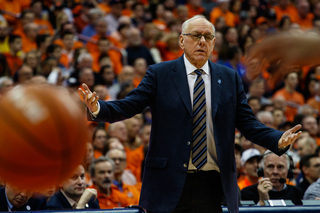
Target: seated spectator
(293,98)
(99,141)
(119,158)
(310,124)
(23,75)
(257,88)
(313,191)
(223,10)
(136,49)
(29,36)
(102,174)
(12,58)
(272,186)
(255,104)
(140,70)
(73,194)
(303,17)
(93,15)
(278,117)
(195,8)
(89,156)
(310,168)
(44,25)
(113,16)
(13,199)
(249,162)
(306,146)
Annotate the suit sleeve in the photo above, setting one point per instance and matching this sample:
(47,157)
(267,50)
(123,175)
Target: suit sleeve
(250,127)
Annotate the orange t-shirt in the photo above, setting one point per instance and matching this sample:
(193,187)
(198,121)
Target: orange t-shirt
(192,11)
(14,62)
(294,100)
(161,25)
(105,8)
(114,200)
(167,55)
(76,44)
(131,192)
(115,58)
(228,16)
(13,7)
(93,47)
(97,154)
(244,183)
(304,23)
(134,161)
(290,11)
(45,26)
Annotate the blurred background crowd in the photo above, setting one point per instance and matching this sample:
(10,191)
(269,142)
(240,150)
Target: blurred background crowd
(109,44)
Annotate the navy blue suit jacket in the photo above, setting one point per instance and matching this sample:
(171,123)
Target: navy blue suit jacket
(165,89)
(36,202)
(59,201)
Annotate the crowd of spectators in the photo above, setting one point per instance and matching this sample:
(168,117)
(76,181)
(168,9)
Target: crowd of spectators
(109,44)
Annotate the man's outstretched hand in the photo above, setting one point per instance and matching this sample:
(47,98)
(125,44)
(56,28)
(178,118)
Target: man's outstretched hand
(289,136)
(89,98)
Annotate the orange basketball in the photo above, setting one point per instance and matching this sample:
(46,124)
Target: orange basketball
(43,136)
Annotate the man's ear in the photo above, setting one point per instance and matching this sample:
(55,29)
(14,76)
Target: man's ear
(305,170)
(181,41)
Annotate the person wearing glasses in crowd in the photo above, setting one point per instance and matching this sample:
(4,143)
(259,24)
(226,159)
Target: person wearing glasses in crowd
(196,106)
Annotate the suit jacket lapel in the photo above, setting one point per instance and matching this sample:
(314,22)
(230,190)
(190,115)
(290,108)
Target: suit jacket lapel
(216,85)
(180,81)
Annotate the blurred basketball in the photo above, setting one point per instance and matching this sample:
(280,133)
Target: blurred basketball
(43,136)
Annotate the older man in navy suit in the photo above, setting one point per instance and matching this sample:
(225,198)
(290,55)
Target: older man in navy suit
(196,106)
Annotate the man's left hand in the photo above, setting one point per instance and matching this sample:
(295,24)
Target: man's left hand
(289,136)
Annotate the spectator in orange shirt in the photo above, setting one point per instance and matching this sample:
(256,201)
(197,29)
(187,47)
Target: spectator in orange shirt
(118,130)
(12,58)
(159,19)
(304,17)
(140,70)
(43,42)
(195,8)
(102,174)
(293,98)
(223,9)
(285,8)
(250,163)
(169,47)
(68,47)
(27,16)
(81,19)
(13,7)
(182,13)
(45,25)
(130,191)
(31,31)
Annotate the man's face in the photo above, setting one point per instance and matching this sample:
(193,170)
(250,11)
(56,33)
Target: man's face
(257,89)
(313,171)
(197,51)
(17,197)
(31,59)
(251,167)
(28,18)
(101,27)
(133,127)
(120,131)
(68,41)
(76,184)
(292,80)
(278,116)
(89,154)
(16,45)
(87,77)
(310,123)
(127,74)
(119,159)
(25,74)
(255,105)
(275,167)
(303,148)
(108,75)
(104,175)
(103,46)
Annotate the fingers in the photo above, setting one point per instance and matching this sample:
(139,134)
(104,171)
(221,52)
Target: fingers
(295,128)
(85,87)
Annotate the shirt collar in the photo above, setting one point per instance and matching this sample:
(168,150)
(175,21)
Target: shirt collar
(71,201)
(10,206)
(284,187)
(190,68)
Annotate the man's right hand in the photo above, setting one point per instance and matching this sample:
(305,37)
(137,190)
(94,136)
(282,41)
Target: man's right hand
(264,186)
(89,98)
(85,197)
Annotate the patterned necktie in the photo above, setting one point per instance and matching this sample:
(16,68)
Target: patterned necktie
(199,134)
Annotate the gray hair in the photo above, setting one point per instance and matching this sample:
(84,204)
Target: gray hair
(100,160)
(108,153)
(185,24)
(270,152)
(84,55)
(262,114)
(3,79)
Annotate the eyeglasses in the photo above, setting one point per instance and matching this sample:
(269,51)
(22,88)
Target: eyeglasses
(118,159)
(198,36)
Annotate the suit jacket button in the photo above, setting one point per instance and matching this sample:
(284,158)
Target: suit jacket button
(185,165)
(188,143)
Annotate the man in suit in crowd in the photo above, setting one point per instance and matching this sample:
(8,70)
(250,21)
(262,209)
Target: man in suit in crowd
(13,199)
(73,194)
(196,106)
